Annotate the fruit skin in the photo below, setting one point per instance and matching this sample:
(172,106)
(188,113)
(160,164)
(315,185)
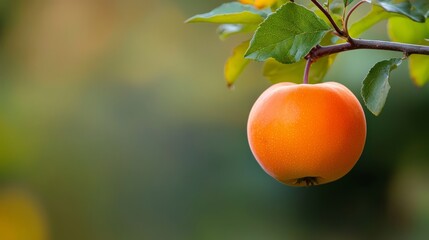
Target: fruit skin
(305,134)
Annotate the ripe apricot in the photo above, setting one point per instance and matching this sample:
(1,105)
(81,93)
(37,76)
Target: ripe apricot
(307,134)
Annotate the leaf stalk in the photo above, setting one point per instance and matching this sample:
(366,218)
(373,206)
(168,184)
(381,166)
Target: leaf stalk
(346,22)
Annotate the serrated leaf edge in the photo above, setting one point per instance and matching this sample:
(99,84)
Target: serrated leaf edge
(248,54)
(392,67)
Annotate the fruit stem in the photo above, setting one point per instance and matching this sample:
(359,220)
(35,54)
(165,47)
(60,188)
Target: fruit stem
(307,70)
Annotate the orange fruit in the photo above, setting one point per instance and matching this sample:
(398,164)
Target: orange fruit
(307,134)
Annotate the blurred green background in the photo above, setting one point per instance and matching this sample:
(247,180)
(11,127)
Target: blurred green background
(116,123)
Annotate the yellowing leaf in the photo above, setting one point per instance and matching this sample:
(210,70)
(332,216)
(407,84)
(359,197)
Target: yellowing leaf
(233,12)
(404,30)
(376,15)
(235,64)
(277,72)
(419,69)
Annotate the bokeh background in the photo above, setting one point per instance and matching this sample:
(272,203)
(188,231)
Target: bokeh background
(116,123)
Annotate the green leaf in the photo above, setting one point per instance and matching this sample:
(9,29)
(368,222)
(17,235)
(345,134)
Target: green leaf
(235,64)
(417,10)
(278,4)
(347,2)
(376,84)
(376,15)
(287,35)
(227,30)
(418,65)
(277,72)
(423,5)
(233,12)
(404,30)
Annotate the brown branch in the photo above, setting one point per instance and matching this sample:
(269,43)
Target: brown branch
(354,44)
(337,29)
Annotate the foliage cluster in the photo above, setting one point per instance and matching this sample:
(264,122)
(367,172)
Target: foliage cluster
(292,36)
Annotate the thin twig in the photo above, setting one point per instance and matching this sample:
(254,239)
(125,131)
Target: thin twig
(337,29)
(346,22)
